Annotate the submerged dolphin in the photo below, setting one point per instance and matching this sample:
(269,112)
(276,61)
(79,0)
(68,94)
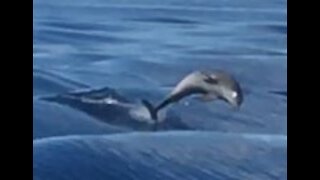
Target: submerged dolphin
(210,85)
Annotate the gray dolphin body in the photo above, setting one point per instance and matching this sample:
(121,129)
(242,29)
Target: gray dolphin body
(210,85)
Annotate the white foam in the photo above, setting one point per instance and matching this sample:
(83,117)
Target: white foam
(234,94)
(141,113)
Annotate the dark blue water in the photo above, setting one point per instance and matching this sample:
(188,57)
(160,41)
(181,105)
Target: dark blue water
(94,60)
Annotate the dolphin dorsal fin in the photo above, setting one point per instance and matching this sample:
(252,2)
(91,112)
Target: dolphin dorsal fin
(210,80)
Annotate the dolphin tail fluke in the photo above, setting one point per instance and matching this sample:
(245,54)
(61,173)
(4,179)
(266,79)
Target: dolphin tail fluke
(152,110)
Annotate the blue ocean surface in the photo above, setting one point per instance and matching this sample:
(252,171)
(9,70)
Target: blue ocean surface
(93,62)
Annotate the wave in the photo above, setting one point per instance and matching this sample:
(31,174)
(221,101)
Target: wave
(55,120)
(121,108)
(166,155)
(108,106)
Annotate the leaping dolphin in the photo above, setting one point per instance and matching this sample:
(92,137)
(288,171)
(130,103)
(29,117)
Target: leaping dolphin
(210,85)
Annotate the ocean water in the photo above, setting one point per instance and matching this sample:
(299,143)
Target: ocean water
(93,62)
